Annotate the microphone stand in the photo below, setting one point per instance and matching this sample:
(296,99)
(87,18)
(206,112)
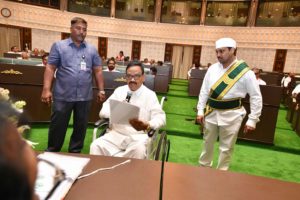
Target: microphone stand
(162,171)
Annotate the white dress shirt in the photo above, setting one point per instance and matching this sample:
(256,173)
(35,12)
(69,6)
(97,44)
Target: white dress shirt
(261,82)
(296,90)
(150,109)
(107,70)
(285,81)
(246,84)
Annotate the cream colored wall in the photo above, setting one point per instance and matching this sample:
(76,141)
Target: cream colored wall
(292,61)
(261,58)
(43,39)
(208,55)
(92,40)
(117,45)
(153,50)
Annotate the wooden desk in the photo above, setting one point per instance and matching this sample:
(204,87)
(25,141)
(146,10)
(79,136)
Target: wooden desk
(140,180)
(193,183)
(136,180)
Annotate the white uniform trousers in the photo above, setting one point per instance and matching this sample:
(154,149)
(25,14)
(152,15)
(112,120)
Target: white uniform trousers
(227,139)
(130,147)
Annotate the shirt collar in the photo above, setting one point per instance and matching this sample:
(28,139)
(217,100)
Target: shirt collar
(139,91)
(70,42)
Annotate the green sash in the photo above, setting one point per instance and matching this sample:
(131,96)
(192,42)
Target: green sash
(223,85)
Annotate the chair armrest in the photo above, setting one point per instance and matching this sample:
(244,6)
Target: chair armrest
(98,124)
(101,122)
(163,99)
(151,132)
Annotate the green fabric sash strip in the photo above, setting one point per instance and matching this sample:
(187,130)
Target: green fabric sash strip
(232,75)
(223,105)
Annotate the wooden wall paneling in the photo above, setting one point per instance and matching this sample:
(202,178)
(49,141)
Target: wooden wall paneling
(65,35)
(25,37)
(279,60)
(168,52)
(196,54)
(136,50)
(102,47)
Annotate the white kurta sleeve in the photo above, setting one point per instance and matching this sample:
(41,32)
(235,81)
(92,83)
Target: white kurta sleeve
(255,99)
(203,96)
(157,115)
(105,111)
(296,90)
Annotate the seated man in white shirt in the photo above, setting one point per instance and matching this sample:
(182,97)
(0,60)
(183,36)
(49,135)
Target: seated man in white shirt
(130,140)
(286,80)
(14,49)
(257,75)
(296,91)
(111,66)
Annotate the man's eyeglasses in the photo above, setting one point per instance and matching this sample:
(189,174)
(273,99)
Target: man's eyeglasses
(79,28)
(135,76)
(49,178)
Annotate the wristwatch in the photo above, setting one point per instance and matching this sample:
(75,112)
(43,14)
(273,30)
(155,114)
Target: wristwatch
(102,92)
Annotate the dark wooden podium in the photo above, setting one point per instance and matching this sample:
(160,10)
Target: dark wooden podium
(272,78)
(195,81)
(26,83)
(265,129)
(163,78)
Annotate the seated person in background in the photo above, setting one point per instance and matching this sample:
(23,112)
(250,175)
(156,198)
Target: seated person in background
(152,62)
(18,165)
(286,79)
(130,140)
(257,74)
(42,52)
(35,52)
(160,63)
(296,90)
(14,49)
(111,66)
(44,60)
(127,58)
(146,62)
(195,66)
(120,57)
(153,71)
(25,55)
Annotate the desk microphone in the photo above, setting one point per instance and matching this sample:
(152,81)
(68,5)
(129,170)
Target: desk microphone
(129,93)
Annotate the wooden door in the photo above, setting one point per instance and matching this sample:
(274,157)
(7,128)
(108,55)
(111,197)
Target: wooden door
(279,60)
(136,50)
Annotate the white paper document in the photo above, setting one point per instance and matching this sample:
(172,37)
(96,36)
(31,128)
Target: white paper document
(72,167)
(121,112)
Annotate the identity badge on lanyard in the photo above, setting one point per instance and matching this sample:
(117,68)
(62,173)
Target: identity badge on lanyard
(83,63)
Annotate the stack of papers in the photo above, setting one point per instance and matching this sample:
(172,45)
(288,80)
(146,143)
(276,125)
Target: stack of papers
(72,167)
(121,112)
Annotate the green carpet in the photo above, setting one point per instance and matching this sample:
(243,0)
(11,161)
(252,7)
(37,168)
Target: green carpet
(280,161)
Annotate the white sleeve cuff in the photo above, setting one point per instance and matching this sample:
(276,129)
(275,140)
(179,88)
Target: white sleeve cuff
(251,123)
(200,112)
